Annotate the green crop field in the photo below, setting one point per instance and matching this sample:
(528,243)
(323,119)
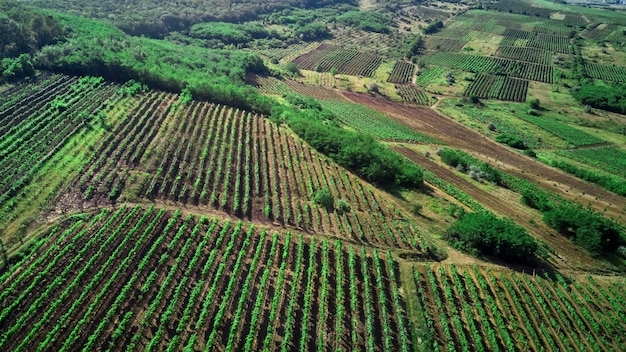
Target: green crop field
(332,175)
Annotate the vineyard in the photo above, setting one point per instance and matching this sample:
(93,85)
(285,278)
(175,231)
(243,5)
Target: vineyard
(437,43)
(346,61)
(607,73)
(373,123)
(412,94)
(498,87)
(296,195)
(477,309)
(268,85)
(428,76)
(402,73)
(539,56)
(243,164)
(564,131)
(37,120)
(493,65)
(609,159)
(146,279)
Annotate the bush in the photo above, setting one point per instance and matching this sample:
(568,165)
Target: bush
(360,153)
(485,234)
(587,228)
(324,198)
(343,206)
(535,104)
(511,141)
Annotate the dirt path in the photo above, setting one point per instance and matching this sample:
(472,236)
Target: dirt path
(571,256)
(458,136)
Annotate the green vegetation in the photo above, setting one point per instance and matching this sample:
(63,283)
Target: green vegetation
(362,154)
(373,122)
(609,159)
(366,20)
(602,96)
(217,75)
(484,234)
(324,198)
(568,133)
(587,228)
(23,31)
(614,184)
(228,33)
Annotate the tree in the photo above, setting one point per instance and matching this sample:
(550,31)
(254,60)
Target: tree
(291,67)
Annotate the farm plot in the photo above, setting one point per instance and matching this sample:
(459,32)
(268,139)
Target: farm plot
(553,31)
(413,95)
(437,43)
(609,159)
(600,31)
(346,61)
(402,73)
(606,73)
(35,127)
(240,163)
(146,279)
(487,310)
(550,42)
(373,123)
(268,85)
(428,76)
(313,91)
(498,87)
(475,63)
(535,55)
(618,35)
(566,132)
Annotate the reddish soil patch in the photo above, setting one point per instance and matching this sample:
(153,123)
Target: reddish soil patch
(458,136)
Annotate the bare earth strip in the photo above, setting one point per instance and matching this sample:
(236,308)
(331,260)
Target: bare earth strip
(458,136)
(570,255)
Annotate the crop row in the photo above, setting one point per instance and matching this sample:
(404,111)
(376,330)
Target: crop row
(402,72)
(39,129)
(373,122)
(604,72)
(535,55)
(428,76)
(269,85)
(411,94)
(229,159)
(609,159)
(474,63)
(553,43)
(498,87)
(346,61)
(314,91)
(566,132)
(471,309)
(147,279)
(437,43)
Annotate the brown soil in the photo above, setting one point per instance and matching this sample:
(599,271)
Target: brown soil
(570,255)
(458,136)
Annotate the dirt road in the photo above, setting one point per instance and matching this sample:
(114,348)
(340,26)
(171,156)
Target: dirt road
(458,136)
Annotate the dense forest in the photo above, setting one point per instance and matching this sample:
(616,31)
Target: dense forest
(158,18)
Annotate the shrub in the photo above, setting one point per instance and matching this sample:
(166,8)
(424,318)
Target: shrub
(342,206)
(484,233)
(324,198)
(534,104)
